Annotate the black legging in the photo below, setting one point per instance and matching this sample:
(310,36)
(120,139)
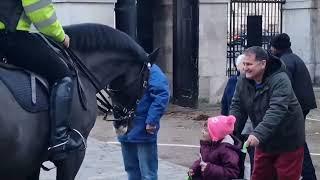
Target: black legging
(29,51)
(308,171)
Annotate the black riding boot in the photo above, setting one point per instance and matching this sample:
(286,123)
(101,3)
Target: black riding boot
(63,139)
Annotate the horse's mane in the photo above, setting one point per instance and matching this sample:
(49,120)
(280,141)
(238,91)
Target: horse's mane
(91,37)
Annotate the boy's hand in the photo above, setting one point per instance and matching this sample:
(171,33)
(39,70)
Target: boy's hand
(151,129)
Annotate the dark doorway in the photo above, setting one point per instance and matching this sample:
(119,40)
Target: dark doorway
(126,17)
(145,9)
(254,29)
(185,52)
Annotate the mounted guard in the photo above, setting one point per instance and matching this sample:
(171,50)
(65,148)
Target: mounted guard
(29,51)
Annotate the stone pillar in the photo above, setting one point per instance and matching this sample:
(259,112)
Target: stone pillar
(316,37)
(163,35)
(299,18)
(212,49)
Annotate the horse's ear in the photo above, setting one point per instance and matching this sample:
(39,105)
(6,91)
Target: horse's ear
(152,57)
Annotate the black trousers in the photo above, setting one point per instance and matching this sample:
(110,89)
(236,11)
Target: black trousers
(308,171)
(29,51)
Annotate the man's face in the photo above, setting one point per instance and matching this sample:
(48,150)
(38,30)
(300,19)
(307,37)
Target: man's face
(274,51)
(253,69)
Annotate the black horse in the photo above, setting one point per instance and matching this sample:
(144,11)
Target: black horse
(113,59)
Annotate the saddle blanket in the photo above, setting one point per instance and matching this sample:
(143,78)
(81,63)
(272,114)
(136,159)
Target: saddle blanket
(19,83)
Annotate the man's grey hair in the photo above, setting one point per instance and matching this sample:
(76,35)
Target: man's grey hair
(258,51)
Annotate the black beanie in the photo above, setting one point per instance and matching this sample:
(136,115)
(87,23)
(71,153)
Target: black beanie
(281,41)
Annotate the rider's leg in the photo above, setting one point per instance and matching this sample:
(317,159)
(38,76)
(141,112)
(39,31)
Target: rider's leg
(30,52)
(62,140)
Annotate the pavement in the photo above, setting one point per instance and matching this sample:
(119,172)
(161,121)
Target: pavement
(103,161)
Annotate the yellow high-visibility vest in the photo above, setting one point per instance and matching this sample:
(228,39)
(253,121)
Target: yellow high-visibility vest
(40,13)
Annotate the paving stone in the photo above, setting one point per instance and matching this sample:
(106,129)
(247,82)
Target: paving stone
(104,162)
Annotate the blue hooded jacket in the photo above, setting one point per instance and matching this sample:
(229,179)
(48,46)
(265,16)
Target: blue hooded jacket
(228,94)
(150,109)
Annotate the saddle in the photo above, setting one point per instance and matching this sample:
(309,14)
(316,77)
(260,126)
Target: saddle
(30,90)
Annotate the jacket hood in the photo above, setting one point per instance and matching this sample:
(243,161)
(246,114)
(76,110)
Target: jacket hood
(274,66)
(236,146)
(233,143)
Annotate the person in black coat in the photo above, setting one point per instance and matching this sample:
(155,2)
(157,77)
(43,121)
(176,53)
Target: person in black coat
(302,86)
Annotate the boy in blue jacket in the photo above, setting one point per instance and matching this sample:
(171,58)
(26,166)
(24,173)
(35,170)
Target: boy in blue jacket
(139,145)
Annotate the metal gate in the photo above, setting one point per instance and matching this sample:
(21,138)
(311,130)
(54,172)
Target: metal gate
(251,22)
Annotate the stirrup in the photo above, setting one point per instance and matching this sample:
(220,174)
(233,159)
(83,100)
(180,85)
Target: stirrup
(82,138)
(61,144)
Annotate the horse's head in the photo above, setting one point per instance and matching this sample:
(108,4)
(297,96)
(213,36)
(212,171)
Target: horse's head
(115,60)
(127,89)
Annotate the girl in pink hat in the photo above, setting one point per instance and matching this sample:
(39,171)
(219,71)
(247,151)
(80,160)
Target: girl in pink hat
(219,151)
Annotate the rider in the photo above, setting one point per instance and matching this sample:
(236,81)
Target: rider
(29,51)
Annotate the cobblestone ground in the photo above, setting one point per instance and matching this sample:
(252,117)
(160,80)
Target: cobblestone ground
(104,162)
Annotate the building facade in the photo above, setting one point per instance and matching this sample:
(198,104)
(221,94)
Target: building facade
(299,21)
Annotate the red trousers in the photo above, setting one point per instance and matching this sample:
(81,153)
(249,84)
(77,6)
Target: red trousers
(277,166)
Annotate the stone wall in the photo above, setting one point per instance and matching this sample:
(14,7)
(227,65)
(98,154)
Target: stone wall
(84,11)
(212,49)
(300,22)
(316,35)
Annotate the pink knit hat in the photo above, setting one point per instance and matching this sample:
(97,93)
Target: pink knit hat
(220,126)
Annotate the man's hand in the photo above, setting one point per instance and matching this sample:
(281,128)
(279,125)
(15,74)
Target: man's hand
(190,172)
(151,129)
(203,166)
(252,141)
(66,41)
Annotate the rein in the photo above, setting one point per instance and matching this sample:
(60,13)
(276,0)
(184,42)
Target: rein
(107,107)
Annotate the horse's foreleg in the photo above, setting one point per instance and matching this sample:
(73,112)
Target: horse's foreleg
(35,175)
(68,169)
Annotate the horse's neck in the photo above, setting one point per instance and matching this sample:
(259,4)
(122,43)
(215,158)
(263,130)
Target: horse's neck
(105,66)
